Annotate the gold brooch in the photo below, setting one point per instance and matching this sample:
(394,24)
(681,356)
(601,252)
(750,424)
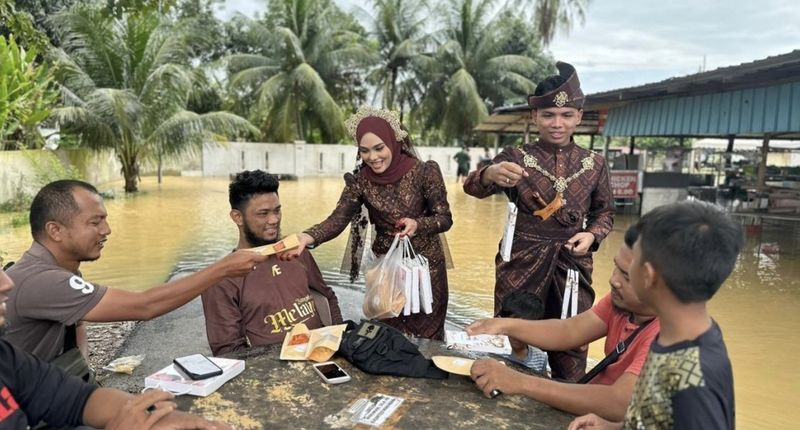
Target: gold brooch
(561,99)
(366,111)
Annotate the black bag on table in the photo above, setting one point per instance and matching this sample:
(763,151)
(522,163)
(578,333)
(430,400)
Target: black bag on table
(380,349)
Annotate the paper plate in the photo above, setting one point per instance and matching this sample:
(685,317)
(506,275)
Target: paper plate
(457,365)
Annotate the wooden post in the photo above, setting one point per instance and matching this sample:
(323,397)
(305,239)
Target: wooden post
(729,151)
(527,137)
(591,143)
(629,158)
(605,147)
(762,166)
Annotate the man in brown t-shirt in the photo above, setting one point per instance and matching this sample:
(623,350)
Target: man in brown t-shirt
(32,391)
(259,308)
(69,226)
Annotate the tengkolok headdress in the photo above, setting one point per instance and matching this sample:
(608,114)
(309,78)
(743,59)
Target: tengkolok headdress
(569,94)
(368,111)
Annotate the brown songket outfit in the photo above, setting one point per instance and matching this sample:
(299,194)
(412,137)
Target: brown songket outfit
(419,194)
(539,261)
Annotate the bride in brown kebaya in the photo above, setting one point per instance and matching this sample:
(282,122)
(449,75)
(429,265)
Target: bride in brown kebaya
(402,194)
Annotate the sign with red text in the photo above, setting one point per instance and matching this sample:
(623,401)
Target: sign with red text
(624,184)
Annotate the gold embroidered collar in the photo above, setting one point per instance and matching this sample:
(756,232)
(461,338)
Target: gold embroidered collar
(559,183)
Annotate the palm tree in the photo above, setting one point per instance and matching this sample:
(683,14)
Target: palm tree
(549,15)
(126,83)
(478,65)
(399,26)
(311,54)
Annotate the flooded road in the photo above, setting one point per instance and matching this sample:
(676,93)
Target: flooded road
(185,225)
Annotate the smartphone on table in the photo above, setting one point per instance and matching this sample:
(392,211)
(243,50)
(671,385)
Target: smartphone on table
(197,366)
(331,373)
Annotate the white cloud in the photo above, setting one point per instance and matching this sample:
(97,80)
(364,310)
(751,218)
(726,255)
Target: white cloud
(245,7)
(626,43)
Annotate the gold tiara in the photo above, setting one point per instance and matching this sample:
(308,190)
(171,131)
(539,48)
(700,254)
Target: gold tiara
(367,111)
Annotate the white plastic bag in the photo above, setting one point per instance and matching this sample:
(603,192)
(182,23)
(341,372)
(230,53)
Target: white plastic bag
(384,295)
(413,265)
(508,234)
(406,275)
(426,292)
(421,293)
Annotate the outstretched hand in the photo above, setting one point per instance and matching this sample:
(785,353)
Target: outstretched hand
(305,240)
(486,326)
(241,262)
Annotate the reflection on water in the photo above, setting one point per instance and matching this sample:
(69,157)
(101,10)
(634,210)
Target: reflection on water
(185,225)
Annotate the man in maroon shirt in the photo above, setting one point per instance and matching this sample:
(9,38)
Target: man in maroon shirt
(262,306)
(565,207)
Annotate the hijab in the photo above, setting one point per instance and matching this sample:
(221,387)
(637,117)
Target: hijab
(401,162)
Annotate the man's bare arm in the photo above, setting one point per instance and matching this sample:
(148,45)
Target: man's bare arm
(550,335)
(120,305)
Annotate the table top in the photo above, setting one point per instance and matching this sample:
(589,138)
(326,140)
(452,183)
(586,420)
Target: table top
(271,393)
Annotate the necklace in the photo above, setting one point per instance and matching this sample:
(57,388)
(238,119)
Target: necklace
(560,183)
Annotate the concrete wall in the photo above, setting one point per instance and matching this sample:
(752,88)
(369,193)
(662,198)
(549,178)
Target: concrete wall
(18,168)
(101,168)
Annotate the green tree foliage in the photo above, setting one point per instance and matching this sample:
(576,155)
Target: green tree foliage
(121,8)
(20,23)
(27,94)
(550,15)
(399,27)
(127,82)
(300,65)
(479,63)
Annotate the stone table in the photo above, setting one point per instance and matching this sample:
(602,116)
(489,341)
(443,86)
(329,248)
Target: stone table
(271,393)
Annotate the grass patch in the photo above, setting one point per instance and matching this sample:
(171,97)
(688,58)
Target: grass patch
(21,202)
(20,219)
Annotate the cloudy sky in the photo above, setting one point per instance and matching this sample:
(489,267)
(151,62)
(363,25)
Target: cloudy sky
(632,42)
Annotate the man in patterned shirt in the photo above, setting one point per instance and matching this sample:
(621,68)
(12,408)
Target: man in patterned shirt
(565,208)
(684,253)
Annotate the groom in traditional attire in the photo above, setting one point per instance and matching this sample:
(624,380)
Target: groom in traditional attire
(565,208)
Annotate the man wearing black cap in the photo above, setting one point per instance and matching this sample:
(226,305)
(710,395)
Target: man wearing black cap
(564,204)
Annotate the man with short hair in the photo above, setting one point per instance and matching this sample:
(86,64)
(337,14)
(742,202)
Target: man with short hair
(565,208)
(69,226)
(32,390)
(462,162)
(684,253)
(617,317)
(524,305)
(260,307)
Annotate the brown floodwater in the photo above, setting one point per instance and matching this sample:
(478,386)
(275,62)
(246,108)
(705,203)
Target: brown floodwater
(185,224)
